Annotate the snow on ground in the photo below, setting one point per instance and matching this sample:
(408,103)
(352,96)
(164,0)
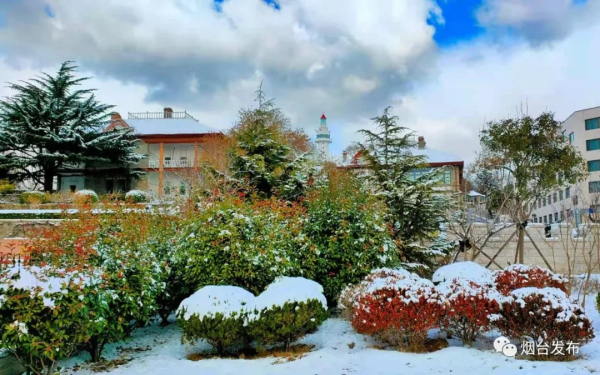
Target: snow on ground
(158,351)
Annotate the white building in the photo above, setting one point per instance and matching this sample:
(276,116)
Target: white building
(323,138)
(582,129)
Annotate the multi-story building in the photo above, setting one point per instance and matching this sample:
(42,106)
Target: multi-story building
(582,129)
(451,177)
(176,146)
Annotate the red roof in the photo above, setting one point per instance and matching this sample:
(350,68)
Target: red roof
(323,117)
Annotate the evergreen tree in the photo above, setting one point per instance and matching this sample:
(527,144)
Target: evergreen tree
(49,125)
(414,210)
(266,154)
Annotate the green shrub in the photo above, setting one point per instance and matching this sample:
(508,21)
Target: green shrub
(23,214)
(43,316)
(33,197)
(347,227)
(137,196)
(216,314)
(85,197)
(243,244)
(6,187)
(287,310)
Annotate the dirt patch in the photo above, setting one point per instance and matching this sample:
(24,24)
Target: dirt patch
(295,352)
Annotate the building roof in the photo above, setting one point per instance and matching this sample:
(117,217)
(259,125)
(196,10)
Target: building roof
(168,126)
(323,117)
(581,110)
(435,156)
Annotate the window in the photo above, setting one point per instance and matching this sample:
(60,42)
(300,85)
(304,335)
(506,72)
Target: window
(549,200)
(550,219)
(592,123)
(594,165)
(575,200)
(560,195)
(544,201)
(554,197)
(564,134)
(592,144)
(571,137)
(167,161)
(556,216)
(545,219)
(183,161)
(568,192)
(594,187)
(539,203)
(72,188)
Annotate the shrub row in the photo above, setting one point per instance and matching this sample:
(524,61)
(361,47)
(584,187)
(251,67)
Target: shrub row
(522,302)
(230,318)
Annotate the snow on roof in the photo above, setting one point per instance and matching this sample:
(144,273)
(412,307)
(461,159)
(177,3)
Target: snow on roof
(434,156)
(169,126)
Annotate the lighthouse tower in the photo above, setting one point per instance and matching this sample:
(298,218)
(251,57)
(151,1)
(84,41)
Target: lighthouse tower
(323,138)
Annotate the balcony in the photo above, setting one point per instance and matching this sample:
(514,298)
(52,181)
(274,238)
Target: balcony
(169,163)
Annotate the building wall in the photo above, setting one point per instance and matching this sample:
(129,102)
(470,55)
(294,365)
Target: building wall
(580,198)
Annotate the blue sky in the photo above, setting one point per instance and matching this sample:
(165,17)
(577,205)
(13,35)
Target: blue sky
(460,22)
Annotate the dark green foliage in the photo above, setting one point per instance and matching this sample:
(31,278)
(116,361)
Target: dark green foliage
(223,333)
(242,244)
(49,125)
(414,210)
(36,215)
(40,335)
(534,153)
(347,227)
(267,157)
(286,324)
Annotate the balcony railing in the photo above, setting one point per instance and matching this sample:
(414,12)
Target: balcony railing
(167,163)
(159,115)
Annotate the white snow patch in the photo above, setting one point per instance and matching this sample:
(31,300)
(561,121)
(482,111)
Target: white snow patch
(214,299)
(288,289)
(469,271)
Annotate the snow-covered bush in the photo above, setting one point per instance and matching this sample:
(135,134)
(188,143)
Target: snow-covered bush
(468,308)
(349,232)
(216,314)
(466,271)
(288,309)
(137,196)
(85,197)
(243,244)
(33,197)
(117,246)
(44,316)
(518,276)
(399,312)
(350,295)
(543,314)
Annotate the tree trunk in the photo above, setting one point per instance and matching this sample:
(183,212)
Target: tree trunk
(521,244)
(95,347)
(49,180)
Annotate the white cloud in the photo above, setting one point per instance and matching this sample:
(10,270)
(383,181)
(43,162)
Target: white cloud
(538,21)
(359,85)
(479,82)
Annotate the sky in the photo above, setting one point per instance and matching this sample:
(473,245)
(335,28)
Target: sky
(446,67)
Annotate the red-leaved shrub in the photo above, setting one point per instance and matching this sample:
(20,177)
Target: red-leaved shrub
(399,313)
(467,309)
(543,315)
(519,276)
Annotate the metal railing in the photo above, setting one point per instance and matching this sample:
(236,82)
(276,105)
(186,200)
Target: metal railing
(159,115)
(154,163)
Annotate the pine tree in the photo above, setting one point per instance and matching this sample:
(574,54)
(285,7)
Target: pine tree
(415,210)
(266,154)
(49,125)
